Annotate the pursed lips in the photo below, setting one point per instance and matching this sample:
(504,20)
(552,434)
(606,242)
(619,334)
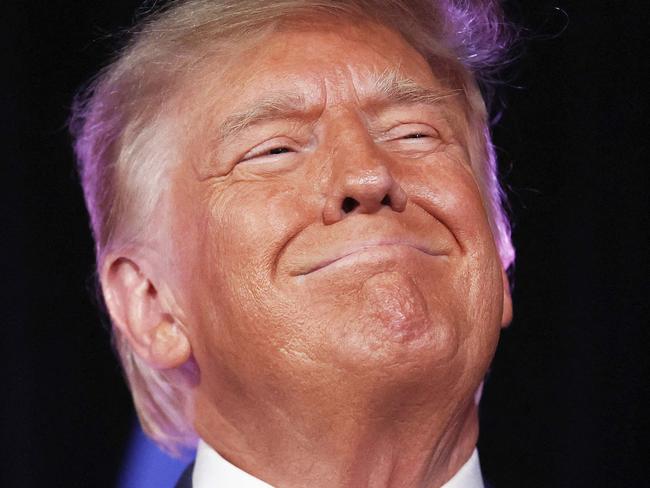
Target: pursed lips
(351,249)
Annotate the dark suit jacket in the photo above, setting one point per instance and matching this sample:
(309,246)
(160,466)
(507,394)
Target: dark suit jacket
(185,481)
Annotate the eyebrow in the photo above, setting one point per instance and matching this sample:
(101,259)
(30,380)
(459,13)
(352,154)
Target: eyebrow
(391,87)
(386,88)
(273,106)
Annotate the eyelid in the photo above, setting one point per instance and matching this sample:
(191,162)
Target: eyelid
(403,130)
(261,149)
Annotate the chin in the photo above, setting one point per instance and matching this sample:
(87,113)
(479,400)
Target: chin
(409,345)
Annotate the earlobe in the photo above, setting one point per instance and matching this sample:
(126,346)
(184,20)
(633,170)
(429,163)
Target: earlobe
(168,346)
(506,316)
(138,312)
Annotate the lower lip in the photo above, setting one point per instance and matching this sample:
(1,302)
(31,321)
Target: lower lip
(374,255)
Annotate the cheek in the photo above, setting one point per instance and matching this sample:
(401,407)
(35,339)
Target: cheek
(241,239)
(232,236)
(446,189)
(249,224)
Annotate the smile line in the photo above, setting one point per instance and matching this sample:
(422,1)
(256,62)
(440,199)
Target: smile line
(361,249)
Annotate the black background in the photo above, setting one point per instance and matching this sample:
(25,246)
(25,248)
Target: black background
(566,402)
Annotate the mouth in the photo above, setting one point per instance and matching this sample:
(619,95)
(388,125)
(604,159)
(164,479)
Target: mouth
(379,250)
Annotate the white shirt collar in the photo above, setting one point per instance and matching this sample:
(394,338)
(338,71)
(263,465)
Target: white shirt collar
(468,476)
(213,471)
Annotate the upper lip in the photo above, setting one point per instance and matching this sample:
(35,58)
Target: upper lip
(348,248)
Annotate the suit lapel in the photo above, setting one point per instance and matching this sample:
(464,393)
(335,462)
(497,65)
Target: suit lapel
(185,481)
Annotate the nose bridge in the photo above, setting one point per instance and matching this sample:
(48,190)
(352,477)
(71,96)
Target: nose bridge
(357,159)
(362,178)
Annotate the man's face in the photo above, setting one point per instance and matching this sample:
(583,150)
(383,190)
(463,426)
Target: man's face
(296,275)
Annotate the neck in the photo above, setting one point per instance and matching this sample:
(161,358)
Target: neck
(398,446)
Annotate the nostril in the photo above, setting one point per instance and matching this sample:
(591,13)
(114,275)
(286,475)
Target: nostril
(349,204)
(386,200)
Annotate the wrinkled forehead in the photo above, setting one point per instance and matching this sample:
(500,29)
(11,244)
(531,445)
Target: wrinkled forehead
(307,67)
(312,59)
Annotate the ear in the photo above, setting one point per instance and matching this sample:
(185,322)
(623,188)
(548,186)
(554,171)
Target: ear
(506,315)
(138,311)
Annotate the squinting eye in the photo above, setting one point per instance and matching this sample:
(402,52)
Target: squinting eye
(412,139)
(408,132)
(267,150)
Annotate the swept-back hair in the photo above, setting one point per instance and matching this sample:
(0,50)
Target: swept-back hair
(123,147)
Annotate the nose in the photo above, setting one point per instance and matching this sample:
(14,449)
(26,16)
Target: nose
(364,187)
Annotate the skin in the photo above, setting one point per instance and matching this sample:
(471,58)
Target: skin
(331,274)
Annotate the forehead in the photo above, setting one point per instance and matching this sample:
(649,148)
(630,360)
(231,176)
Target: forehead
(314,60)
